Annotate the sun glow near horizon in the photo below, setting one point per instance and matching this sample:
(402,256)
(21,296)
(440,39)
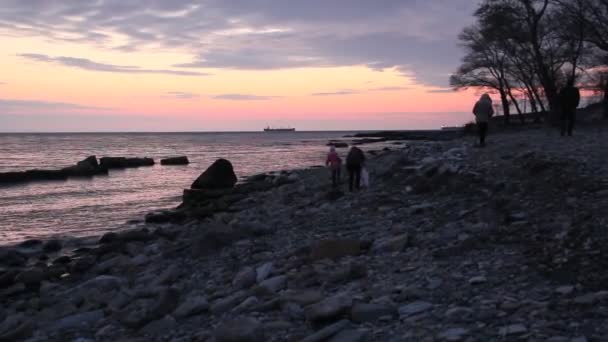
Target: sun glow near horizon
(61,76)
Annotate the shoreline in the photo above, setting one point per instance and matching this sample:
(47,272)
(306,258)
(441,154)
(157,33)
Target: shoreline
(447,236)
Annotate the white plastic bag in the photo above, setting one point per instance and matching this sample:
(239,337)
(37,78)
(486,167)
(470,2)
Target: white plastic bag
(364,178)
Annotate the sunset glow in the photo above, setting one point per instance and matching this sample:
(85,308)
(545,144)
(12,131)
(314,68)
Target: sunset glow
(239,71)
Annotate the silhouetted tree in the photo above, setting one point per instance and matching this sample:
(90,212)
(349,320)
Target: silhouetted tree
(539,44)
(484,66)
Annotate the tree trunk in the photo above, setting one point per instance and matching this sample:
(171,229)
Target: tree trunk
(516,104)
(532,101)
(605,102)
(540,103)
(505,105)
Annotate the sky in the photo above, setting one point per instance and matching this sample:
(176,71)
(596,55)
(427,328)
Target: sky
(230,65)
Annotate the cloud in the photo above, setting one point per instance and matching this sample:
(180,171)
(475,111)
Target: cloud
(181,95)
(2,83)
(11,105)
(390,88)
(353,91)
(243,97)
(417,38)
(337,93)
(440,91)
(87,64)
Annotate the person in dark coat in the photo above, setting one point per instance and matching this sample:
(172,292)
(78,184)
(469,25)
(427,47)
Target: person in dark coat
(483,111)
(569,98)
(354,162)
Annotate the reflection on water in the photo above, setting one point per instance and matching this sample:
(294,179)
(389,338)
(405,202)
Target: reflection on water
(91,206)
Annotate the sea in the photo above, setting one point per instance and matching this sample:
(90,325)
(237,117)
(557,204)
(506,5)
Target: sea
(79,208)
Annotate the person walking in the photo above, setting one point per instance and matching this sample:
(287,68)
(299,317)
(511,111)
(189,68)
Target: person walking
(483,111)
(334,163)
(569,98)
(354,162)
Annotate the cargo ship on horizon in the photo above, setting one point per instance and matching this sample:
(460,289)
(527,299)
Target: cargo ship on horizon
(270,129)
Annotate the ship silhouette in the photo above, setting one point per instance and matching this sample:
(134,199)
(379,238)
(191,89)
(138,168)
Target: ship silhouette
(279,129)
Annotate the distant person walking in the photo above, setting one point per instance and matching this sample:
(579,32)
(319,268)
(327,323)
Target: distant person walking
(569,98)
(483,111)
(354,162)
(334,163)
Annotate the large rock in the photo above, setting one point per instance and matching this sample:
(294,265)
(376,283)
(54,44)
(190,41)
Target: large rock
(32,175)
(12,257)
(414,308)
(336,249)
(329,309)
(78,321)
(192,306)
(122,162)
(31,277)
(362,313)
(220,175)
(142,312)
(244,279)
(327,332)
(52,246)
(215,236)
(16,328)
(183,160)
(240,330)
(86,168)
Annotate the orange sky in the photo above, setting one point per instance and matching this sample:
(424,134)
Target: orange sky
(34,89)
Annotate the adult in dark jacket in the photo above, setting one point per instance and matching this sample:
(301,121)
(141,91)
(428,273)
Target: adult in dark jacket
(354,162)
(570,98)
(483,111)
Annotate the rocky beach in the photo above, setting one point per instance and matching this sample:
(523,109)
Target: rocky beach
(450,243)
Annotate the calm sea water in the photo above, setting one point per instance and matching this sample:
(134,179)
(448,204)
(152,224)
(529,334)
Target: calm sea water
(85,207)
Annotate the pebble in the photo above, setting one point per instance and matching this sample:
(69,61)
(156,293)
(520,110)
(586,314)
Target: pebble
(514,329)
(414,308)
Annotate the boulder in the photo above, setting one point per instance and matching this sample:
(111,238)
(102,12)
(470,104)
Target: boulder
(183,160)
(7,278)
(192,306)
(327,332)
(30,277)
(262,272)
(108,163)
(273,285)
(240,330)
(329,309)
(220,175)
(108,238)
(32,175)
(350,335)
(52,246)
(159,327)
(164,216)
(135,235)
(32,243)
(336,249)
(142,312)
(391,245)
(86,168)
(214,237)
(16,328)
(223,305)
(414,308)
(78,321)
(337,144)
(245,278)
(362,313)
(11,257)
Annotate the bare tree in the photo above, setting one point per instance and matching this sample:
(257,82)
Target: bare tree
(484,66)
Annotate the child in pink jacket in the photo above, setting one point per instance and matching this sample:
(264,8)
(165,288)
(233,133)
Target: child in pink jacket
(334,163)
